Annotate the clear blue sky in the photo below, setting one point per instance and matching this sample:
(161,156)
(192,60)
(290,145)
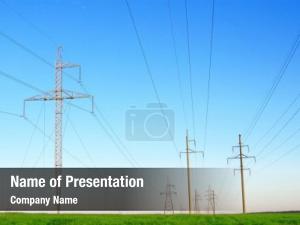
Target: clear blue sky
(251,41)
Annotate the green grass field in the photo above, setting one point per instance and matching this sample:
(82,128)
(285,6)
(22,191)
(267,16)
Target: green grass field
(48,219)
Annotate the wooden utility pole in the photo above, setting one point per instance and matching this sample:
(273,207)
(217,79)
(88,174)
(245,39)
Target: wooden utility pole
(242,174)
(188,170)
(241,156)
(187,151)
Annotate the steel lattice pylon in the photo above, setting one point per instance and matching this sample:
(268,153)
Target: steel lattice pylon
(58,95)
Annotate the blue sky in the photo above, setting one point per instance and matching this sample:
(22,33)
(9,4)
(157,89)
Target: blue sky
(251,41)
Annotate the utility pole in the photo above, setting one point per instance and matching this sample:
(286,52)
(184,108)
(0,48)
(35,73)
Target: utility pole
(211,200)
(197,200)
(187,151)
(58,95)
(168,204)
(241,156)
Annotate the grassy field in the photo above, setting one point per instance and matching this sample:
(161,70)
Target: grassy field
(250,219)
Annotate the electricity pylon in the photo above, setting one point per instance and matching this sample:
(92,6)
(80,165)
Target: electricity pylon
(197,200)
(241,156)
(168,204)
(58,95)
(187,151)
(211,200)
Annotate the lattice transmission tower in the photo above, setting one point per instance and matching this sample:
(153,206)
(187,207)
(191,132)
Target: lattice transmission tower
(168,193)
(59,94)
(211,200)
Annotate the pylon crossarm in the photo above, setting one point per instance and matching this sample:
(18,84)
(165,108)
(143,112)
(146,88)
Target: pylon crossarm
(252,157)
(234,147)
(201,152)
(70,65)
(73,94)
(51,95)
(245,156)
(231,158)
(47,96)
(249,157)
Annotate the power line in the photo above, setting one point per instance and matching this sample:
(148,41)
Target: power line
(79,107)
(30,139)
(50,138)
(10,113)
(66,112)
(127,155)
(33,26)
(278,119)
(113,134)
(282,143)
(278,147)
(40,58)
(178,73)
(280,157)
(29,51)
(38,90)
(34,54)
(81,142)
(209,72)
(11,77)
(44,139)
(19,81)
(149,72)
(279,131)
(59,95)
(190,66)
(115,143)
(275,84)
